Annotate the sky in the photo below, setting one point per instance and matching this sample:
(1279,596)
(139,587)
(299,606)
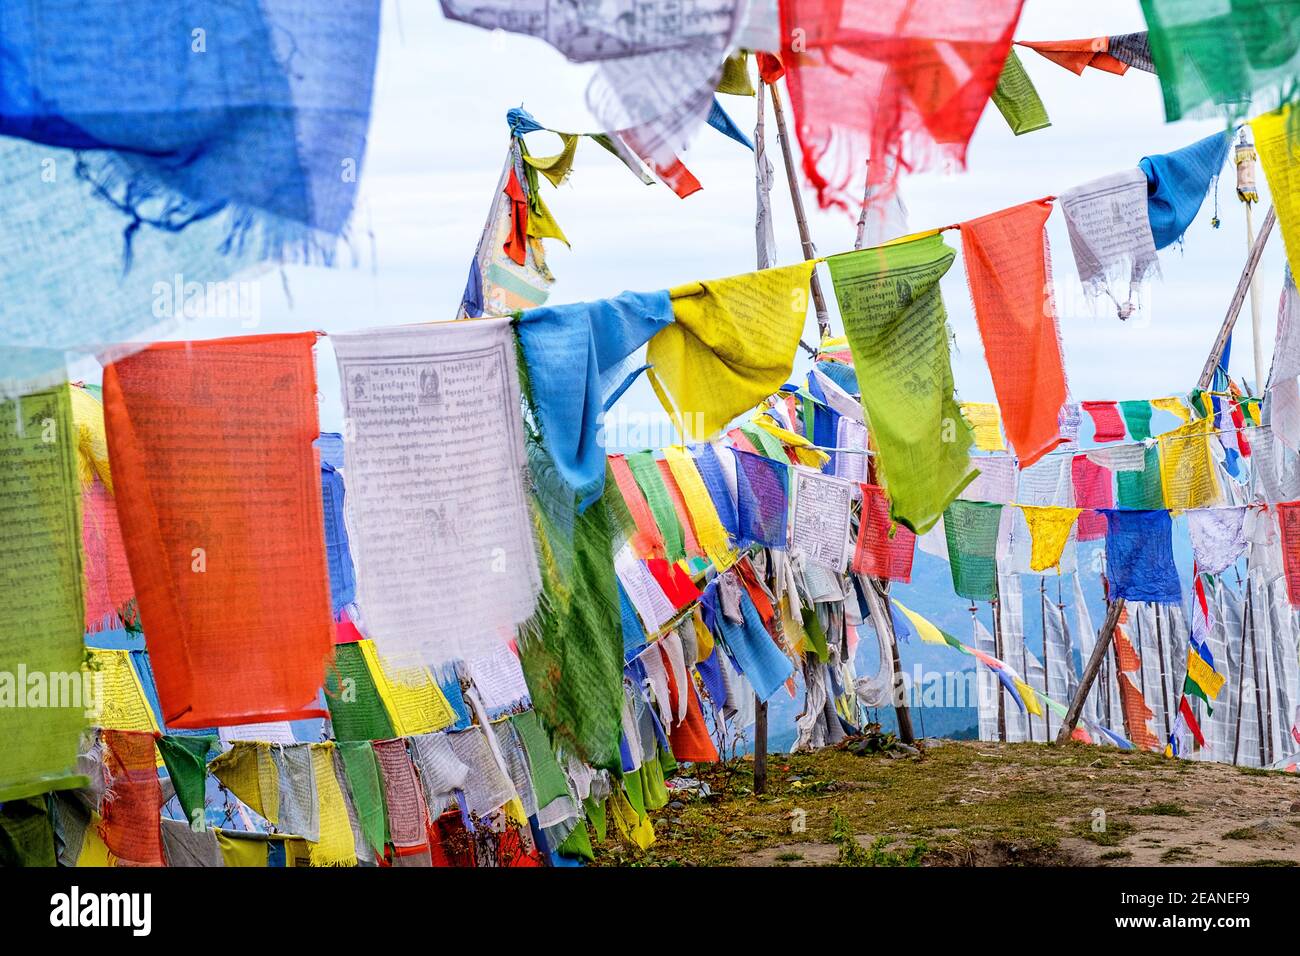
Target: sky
(438,140)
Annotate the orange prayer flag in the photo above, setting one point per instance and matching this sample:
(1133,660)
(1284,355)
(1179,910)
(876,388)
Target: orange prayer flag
(1006,266)
(219,498)
(1078,55)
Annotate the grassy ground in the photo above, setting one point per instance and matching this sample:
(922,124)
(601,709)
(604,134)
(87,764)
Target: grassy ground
(972,803)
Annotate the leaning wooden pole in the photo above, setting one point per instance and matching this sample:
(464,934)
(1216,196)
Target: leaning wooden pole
(1090,670)
(800,217)
(761,181)
(1238,297)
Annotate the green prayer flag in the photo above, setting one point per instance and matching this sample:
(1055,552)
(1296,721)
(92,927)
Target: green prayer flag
(548,779)
(1224,53)
(651,482)
(595,810)
(367,785)
(578,844)
(971,528)
(768,445)
(1017,100)
(1141,490)
(186,760)
(654,791)
(41,716)
(1137,419)
(897,330)
(356,710)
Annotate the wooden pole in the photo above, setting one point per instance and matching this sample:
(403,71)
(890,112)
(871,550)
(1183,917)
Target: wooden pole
(1047,665)
(1241,680)
(1090,670)
(1238,297)
(760,706)
(800,217)
(760,745)
(1257,338)
(1164,680)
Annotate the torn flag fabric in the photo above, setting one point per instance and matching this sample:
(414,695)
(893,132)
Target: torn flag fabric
(903,82)
(897,328)
(1005,255)
(1110,236)
(1108,54)
(219,497)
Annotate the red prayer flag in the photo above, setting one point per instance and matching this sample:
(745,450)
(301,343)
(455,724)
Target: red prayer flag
(1107,423)
(1189,717)
(516,246)
(877,553)
(902,82)
(1011,288)
(1092,489)
(219,497)
(131,824)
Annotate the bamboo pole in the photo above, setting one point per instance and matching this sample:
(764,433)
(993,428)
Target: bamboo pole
(800,216)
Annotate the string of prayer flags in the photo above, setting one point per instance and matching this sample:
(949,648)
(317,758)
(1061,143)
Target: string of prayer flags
(762,499)
(1207,52)
(926,630)
(1017,99)
(1140,557)
(971,528)
(1107,424)
(1187,469)
(1218,537)
(1274,141)
(722,489)
(1005,255)
(224,534)
(732,344)
(690,543)
(1137,419)
(1177,183)
(821,510)
(1092,491)
(894,316)
(40,564)
(985,422)
(1049,530)
(436,493)
(131,825)
(576,357)
(906,92)
(1108,54)
(1110,235)
(884,549)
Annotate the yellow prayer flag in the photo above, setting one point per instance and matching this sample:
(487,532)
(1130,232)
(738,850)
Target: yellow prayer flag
(985,420)
(248,771)
(414,701)
(241,852)
(556,168)
(1173,405)
(1187,471)
(335,846)
(1029,696)
(1206,677)
(1049,530)
(924,629)
(708,528)
(731,345)
(1279,153)
(94,851)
